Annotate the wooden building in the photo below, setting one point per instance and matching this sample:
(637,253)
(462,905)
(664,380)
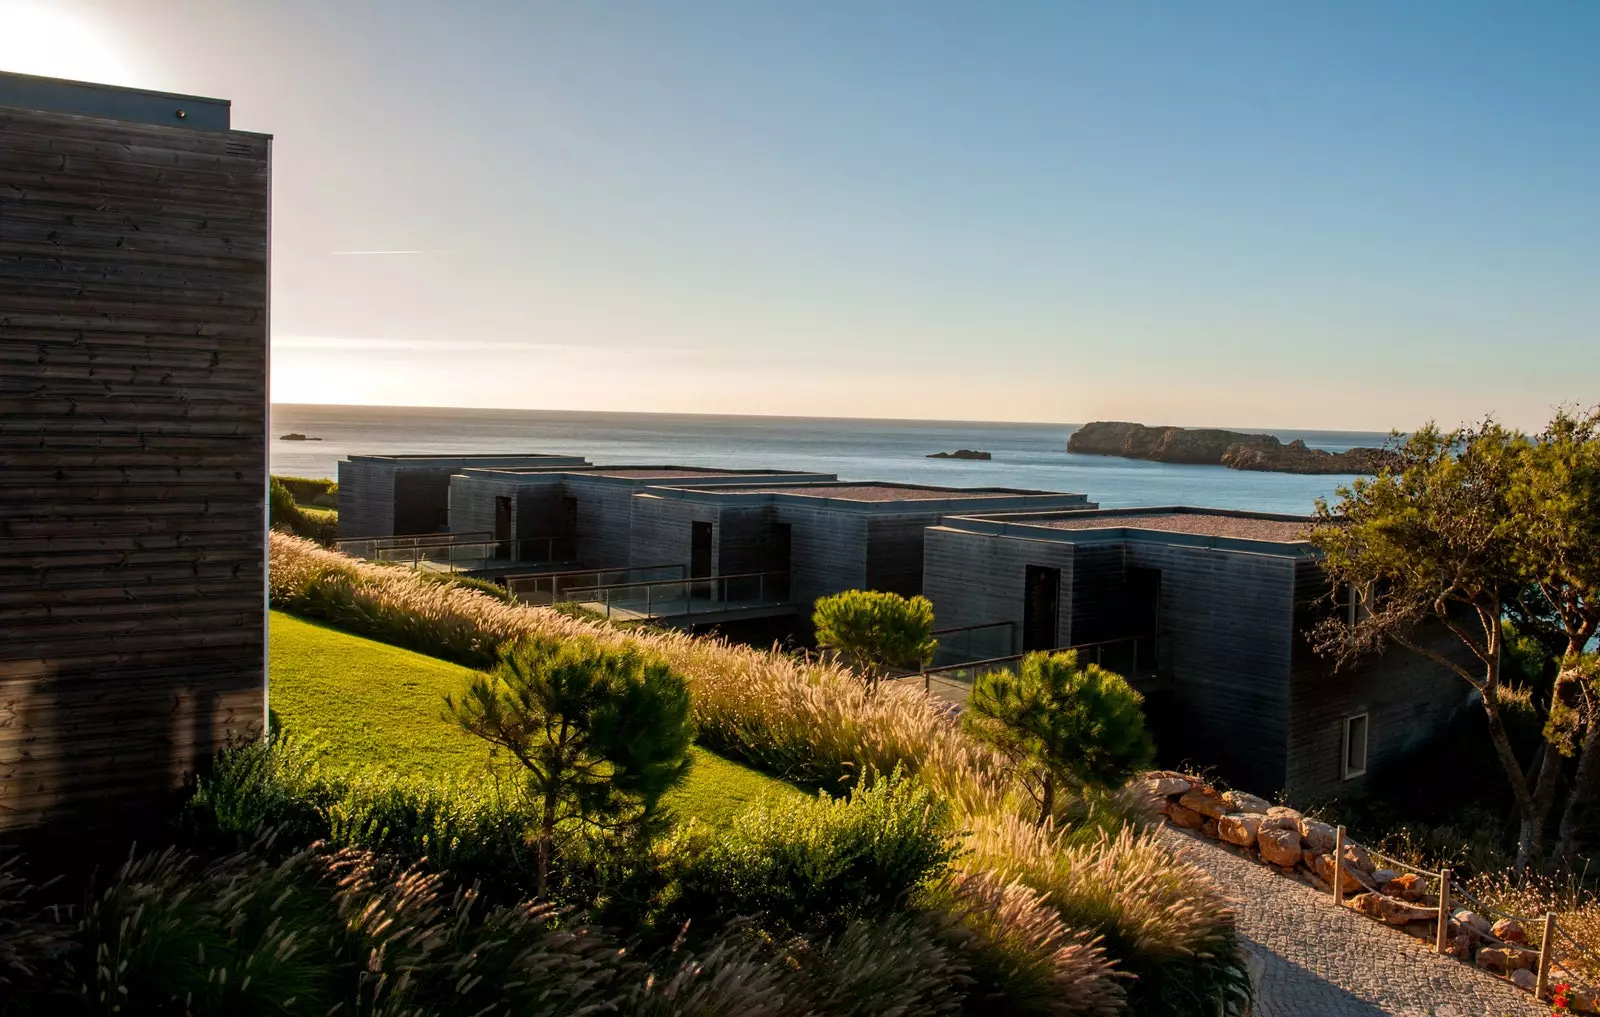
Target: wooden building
(405,495)
(828,537)
(133,414)
(579,515)
(1219,603)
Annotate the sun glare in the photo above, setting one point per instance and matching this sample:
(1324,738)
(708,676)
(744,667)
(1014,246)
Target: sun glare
(60,40)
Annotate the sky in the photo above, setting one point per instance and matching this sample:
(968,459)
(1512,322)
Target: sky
(1313,215)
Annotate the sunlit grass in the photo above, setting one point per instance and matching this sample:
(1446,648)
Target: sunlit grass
(369,704)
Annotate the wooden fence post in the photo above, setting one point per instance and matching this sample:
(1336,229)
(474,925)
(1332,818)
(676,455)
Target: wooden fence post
(1442,940)
(1546,955)
(1338,866)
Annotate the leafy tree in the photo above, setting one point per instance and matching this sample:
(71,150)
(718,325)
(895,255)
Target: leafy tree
(1069,725)
(1556,500)
(1432,543)
(600,734)
(876,631)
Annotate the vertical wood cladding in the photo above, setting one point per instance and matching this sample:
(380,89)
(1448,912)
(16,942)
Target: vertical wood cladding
(660,531)
(828,549)
(1407,698)
(1099,593)
(894,553)
(1229,618)
(133,344)
(366,499)
(977,579)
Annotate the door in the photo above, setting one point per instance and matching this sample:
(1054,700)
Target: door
(502,527)
(1144,618)
(1040,609)
(782,538)
(700,557)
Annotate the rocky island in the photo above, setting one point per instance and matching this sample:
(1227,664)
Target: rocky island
(1213,447)
(296,436)
(960,453)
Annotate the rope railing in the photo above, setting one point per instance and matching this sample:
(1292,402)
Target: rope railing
(1448,893)
(1441,910)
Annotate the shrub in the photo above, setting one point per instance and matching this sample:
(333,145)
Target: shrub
(896,965)
(168,934)
(276,783)
(1066,725)
(285,514)
(876,632)
(1023,959)
(29,944)
(1160,919)
(322,493)
(597,735)
(818,864)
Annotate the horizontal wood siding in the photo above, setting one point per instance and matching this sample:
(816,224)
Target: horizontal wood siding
(1408,699)
(1228,619)
(976,579)
(133,346)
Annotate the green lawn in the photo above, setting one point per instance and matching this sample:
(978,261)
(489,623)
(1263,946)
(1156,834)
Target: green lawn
(373,704)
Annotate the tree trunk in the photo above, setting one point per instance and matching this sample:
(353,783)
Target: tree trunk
(1047,799)
(1584,781)
(1528,834)
(547,838)
(1582,795)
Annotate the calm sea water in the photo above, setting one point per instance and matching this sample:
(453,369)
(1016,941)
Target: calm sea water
(1030,456)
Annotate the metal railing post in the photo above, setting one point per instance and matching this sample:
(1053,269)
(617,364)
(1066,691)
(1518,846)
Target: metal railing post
(1546,955)
(1441,941)
(1338,866)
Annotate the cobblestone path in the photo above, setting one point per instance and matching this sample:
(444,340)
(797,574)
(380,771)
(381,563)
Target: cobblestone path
(1310,959)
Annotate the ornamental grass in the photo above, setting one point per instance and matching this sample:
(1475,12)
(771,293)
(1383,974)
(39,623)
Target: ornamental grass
(1126,906)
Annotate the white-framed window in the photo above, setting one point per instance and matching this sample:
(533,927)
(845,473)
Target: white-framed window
(1355,746)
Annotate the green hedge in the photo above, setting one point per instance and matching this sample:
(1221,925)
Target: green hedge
(306,491)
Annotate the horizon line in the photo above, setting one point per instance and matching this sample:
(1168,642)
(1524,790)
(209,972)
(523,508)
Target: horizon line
(1257,429)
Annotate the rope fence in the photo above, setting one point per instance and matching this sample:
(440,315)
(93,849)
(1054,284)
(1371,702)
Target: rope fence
(1556,945)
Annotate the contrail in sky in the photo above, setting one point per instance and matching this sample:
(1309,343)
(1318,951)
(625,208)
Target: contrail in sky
(387,252)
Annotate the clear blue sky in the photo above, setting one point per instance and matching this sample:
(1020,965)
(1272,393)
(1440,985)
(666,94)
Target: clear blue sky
(1342,214)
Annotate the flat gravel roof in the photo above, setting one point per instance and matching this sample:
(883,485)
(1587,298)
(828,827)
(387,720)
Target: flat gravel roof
(1202,523)
(647,474)
(884,492)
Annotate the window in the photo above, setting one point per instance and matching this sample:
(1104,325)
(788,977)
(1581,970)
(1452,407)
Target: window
(1355,746)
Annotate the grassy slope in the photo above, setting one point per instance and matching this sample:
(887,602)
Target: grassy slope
(379,705)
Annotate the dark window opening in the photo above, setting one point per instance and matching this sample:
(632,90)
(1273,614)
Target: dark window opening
(1041,606)
(502,527)
(700,556)
(1355,746)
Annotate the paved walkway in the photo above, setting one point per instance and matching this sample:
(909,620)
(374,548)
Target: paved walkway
(1310,959)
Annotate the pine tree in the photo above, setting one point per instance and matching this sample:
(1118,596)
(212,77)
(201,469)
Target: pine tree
(1066,725)
(598,734)
(875,632)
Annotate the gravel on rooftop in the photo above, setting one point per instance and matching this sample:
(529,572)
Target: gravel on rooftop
(1202,523)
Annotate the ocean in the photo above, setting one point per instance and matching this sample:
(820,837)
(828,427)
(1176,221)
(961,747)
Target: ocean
(1032,456)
